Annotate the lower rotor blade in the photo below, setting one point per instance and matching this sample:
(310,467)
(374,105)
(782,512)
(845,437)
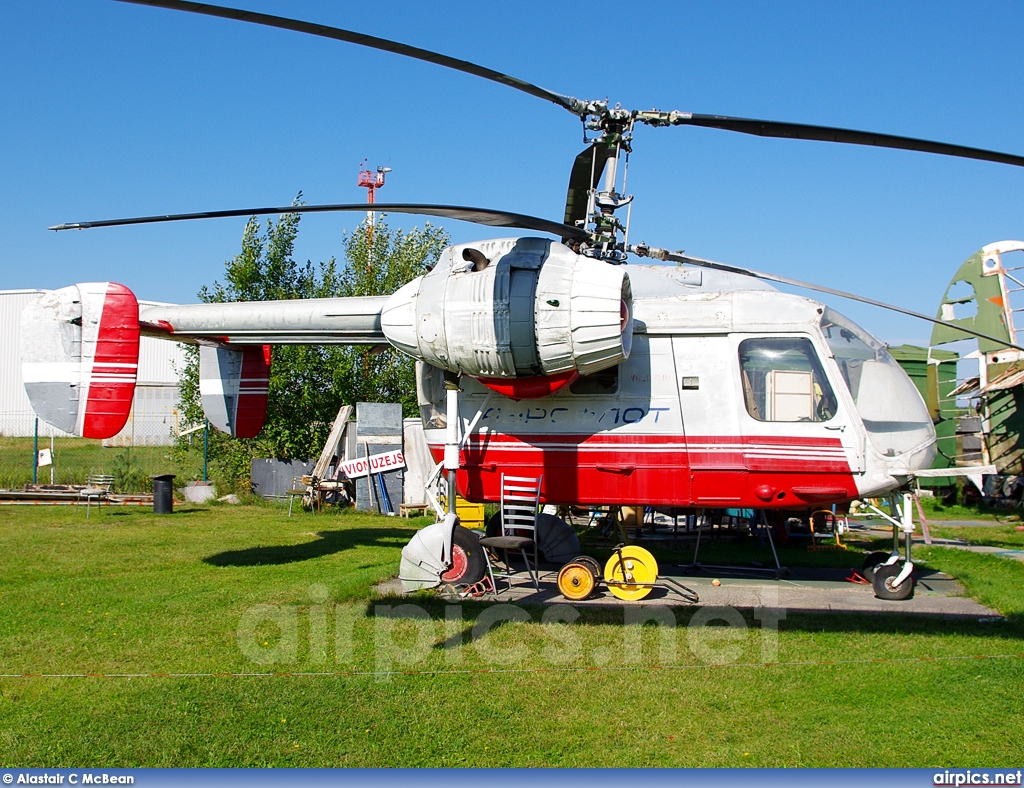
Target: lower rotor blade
(483,216)
(785,280)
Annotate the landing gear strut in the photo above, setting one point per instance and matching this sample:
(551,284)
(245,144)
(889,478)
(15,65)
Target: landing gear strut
(890,578)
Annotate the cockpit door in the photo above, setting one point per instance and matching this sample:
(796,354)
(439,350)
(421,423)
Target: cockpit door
(800,444)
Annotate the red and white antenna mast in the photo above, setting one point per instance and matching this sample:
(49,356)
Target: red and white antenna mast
(371,181)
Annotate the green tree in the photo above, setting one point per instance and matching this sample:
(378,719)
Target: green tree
(308,383)
(380,260)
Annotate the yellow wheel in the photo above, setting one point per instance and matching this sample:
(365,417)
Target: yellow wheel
(576,581)
(637,566)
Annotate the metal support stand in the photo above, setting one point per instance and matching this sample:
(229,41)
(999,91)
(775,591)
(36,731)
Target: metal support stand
(775,573)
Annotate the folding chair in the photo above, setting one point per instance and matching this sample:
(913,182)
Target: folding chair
(297,490)
(97,487)
(520,501)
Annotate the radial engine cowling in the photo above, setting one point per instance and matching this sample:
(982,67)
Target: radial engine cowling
(514,308)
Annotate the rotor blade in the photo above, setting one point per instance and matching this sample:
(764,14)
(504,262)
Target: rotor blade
(584,176)
(466,214)
(804,131)
(338,34)
(662,254)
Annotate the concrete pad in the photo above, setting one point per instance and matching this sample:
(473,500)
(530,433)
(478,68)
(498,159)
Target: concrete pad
(803,590)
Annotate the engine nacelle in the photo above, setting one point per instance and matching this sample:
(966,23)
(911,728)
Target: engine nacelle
(514,308)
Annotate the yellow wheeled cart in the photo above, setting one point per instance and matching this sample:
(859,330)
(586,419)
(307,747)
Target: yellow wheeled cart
(630,574)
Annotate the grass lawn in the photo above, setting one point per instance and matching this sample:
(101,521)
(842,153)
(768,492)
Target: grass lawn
(1006,536)
(246,590)
(75,458)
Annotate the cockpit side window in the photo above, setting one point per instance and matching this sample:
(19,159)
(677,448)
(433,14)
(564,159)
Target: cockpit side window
(783,380)
(851,349)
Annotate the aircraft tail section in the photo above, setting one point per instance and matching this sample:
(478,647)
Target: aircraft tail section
(79,357)
(233,384)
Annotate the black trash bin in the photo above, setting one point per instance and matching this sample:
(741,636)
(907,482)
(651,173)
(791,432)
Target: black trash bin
(163,493)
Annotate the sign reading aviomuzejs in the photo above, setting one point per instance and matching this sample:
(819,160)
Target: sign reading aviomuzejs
(377,463)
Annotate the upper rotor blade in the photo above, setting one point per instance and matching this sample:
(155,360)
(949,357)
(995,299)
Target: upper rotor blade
(338,34)
(804,131)
(466,214)
(785,280)
(761,128)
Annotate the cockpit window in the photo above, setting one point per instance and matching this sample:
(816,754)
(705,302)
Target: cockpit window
(851,348)
(894,415)
(783,380)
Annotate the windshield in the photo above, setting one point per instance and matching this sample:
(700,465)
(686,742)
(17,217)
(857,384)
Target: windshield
(887,400)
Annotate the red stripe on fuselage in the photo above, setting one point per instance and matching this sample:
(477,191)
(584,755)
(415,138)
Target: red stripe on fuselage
(673,470)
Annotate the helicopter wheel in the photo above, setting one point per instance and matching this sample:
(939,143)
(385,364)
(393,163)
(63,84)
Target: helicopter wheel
(468,564)
(882,583)
(637,566)
(576,581)
(871,563)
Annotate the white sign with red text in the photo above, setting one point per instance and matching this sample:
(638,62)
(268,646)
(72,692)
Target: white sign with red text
(378,463)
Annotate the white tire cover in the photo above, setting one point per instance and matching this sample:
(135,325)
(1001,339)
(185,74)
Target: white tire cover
(422,565)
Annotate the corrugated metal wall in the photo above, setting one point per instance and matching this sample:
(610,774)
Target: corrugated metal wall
(156,396)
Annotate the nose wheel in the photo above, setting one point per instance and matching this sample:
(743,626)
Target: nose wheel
(872,562)
(889,581)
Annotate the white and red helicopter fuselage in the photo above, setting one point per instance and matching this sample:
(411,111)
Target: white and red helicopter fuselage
(730,397)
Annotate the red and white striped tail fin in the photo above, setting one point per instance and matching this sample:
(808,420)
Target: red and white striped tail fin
(233,384)
(80,357)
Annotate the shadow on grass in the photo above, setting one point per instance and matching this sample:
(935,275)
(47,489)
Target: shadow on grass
(125,512)
(478,618)
(326,543)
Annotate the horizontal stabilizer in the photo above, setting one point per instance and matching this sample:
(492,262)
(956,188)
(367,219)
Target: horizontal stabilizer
(233,384)
(80,357)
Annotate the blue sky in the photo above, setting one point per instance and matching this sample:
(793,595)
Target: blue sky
(115,110)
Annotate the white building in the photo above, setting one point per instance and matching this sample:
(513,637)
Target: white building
(154,417)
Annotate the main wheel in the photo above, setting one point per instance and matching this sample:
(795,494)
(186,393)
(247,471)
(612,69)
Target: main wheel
(576,581)
(637,566)
(871,563)
(468,564)
(882,583)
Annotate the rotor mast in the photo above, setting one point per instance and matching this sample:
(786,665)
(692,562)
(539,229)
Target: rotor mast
(611,148)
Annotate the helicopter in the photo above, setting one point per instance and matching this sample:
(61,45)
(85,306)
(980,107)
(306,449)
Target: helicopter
(694,385)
